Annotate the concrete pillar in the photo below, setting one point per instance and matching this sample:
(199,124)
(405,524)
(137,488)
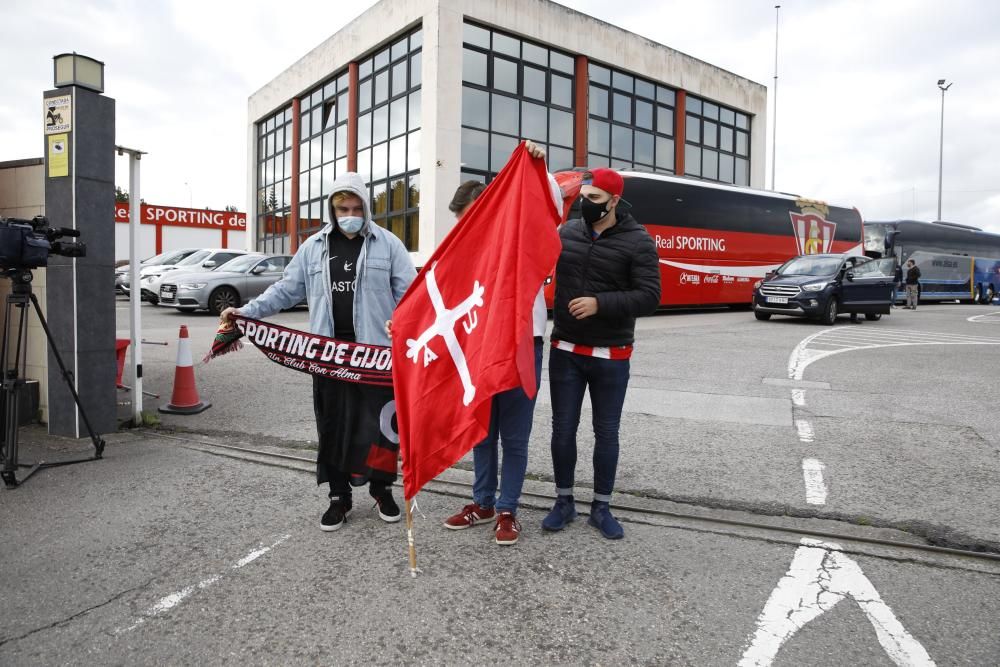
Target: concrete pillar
(80,301)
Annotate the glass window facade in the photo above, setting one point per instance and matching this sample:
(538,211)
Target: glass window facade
(513,89)
(322,149)
(630,122)
(389,134)
(274,181)
(716,142)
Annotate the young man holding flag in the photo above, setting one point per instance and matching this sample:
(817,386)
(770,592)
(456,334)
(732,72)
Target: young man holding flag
(352,273)
(511,417)
(607,275)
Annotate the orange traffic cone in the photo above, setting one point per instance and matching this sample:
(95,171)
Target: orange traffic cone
(184,400)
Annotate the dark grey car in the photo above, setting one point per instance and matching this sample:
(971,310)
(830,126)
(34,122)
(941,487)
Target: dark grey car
(232,284)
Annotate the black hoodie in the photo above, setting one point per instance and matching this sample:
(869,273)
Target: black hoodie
(620,268)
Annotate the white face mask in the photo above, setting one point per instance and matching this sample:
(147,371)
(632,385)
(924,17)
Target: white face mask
(350,224)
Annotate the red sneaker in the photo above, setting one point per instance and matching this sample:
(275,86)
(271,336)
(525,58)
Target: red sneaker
(507,528)
(470,515)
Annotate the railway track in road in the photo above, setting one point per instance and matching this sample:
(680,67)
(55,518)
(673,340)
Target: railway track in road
(643,510)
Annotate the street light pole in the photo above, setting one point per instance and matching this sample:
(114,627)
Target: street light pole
(774,111)
(944,89)
(135,289)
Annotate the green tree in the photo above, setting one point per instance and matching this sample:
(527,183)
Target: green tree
(121,195)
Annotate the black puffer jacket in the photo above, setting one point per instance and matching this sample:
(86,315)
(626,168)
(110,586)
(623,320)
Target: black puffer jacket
(620,268)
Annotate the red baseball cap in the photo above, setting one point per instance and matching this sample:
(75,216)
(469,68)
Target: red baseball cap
(608,180)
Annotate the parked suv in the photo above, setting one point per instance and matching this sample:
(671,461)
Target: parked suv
(232,284)
(824,286)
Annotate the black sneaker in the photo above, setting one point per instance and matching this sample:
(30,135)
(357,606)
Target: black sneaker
(388,510)
(334,518)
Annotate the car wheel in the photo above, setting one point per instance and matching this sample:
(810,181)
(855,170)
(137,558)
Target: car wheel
(222,298)
(873,317)
(763,317)
(186,310)
(830,314)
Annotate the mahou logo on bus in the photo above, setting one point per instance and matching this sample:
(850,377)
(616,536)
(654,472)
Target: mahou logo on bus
(813,232)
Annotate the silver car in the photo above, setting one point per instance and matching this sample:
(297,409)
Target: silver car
(170,257)
(206,259)
(232,284)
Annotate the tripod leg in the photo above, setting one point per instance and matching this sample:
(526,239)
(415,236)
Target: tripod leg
(11,383)
(94,437)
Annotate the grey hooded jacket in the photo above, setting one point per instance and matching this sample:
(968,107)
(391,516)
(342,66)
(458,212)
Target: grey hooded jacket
(385,271)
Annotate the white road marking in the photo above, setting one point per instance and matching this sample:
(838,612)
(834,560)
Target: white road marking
(805,353)
(799,398)
(812,473)
(805,430)
(819,577)
(992,318)
(168,602)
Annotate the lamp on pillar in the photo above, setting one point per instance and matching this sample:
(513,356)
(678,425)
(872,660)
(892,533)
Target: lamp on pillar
(72,69)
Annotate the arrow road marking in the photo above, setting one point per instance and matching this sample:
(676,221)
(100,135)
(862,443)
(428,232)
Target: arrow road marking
(820,576)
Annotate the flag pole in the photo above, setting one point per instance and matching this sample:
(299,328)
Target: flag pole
(409,538)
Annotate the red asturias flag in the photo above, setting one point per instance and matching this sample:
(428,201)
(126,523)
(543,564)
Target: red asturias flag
(463,331)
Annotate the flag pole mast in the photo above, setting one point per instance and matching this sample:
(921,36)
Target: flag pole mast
(409,538)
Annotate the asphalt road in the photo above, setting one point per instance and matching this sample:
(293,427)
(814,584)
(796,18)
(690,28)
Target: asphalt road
(172,551)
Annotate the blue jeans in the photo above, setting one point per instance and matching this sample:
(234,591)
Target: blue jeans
(569,376)
(510,422)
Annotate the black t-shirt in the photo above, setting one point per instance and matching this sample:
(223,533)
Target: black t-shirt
(344,254)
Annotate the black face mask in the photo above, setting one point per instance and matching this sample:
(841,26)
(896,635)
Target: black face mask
(593,211)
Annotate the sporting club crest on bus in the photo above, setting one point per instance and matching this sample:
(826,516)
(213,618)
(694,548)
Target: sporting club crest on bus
(813,232)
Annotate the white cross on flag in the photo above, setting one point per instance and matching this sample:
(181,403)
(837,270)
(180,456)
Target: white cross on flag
(463,331)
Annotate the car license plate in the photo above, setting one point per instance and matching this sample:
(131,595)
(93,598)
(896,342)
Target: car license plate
(166,294)
(777,299)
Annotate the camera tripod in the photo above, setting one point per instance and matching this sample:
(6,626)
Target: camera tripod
(17,301)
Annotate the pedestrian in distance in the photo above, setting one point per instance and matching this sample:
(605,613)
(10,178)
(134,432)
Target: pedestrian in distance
(897,282)
(912,284)
(607,275)
(352,273)
(511,415)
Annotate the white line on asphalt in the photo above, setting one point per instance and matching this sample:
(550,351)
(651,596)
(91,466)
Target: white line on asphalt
(805,430)
(803,355)
(989,317)
(812,472)
(168,602)
(819,577)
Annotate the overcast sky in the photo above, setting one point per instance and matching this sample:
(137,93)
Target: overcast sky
(858,106)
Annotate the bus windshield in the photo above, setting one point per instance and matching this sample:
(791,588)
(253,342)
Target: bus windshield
(875,238)
(810,266)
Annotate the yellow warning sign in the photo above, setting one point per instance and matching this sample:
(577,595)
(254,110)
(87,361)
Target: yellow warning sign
(58,155)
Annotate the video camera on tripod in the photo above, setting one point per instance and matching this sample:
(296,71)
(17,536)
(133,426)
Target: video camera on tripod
(27,244)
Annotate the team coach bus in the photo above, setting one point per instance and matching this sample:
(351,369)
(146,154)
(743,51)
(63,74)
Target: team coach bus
(715,241)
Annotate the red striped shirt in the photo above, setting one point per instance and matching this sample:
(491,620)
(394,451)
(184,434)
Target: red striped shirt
(618,352)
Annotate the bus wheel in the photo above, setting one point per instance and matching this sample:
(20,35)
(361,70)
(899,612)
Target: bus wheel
(763,317)
(990,294)
(830,314)
(873,317)
(977,294)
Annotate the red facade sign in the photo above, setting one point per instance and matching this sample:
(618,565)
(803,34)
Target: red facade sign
(151,214)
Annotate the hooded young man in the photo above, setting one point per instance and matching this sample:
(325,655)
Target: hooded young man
(352,273)
(607,275)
